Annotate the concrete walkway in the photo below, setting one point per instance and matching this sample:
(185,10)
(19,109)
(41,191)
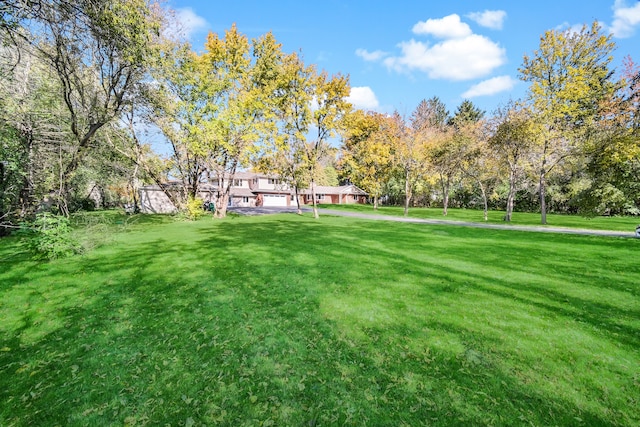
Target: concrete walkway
(378,217)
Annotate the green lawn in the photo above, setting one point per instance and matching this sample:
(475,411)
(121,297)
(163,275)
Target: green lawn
(289,321)
(613,223)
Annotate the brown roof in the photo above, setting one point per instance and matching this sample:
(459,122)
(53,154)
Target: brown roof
(241,192)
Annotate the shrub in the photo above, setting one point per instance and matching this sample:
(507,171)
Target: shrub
(49,237)
(194,208)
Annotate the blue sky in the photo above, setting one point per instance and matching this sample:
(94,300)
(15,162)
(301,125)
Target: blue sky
(397,53)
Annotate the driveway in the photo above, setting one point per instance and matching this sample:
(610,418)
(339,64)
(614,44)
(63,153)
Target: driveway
(377,217)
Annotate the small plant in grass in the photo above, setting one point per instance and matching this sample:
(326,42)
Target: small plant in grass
(50,236)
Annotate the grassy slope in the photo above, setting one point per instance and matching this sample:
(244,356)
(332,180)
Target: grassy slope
(284,320)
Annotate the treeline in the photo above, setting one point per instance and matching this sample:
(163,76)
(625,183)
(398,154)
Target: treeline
(572,145)
(86,86)
(70,74)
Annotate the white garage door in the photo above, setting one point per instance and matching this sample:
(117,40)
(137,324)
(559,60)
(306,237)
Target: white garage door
(275,200)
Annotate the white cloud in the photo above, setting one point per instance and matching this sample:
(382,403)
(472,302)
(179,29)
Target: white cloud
(370,56)
(489,18)
(465,58)
(460,55)
(490,87)
(189,23)
(363,97)
(444,28)
(625,19)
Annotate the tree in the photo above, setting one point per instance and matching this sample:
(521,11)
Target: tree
(33,133)
(467,112)
(180,108)
(479,163)
(410,154)
(329,173)
(284,149)
(430,114)
(367,151)
(308,108)
(512,138)
(471,148)
(430,122)
(569,76)
(245,79)
(613,151)
(214,107)
(329,95)
(98,51)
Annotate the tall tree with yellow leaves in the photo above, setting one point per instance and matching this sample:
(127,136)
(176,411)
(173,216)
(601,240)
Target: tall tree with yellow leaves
(513,136)
(214,107)
(569,76)
(367,151)
(308,108)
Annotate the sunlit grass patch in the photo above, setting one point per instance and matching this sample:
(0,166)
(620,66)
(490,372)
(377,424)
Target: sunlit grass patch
(287,320)
(615,223)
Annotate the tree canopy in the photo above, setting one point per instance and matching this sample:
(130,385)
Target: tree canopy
(84,83)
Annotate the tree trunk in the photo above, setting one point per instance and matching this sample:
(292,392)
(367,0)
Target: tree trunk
(445,194)
(484,201)
(510,196)
(134,188)
(4,209)
(298,201)
(375,203)
(222,203)
(313,195)
(543,185)
(407,193)
(26,192)
(543,202)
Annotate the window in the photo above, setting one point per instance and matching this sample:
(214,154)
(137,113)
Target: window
(273,181)
(355,197)
(237,183)
(245,199)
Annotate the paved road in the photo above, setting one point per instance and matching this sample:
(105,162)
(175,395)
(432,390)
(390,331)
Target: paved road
(377,217)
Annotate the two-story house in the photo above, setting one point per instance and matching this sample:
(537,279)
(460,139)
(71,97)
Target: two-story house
(250,189)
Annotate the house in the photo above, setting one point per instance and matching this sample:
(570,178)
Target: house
(345,194)
(250,189)
(271,191)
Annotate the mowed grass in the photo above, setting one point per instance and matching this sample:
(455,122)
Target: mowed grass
(613,223)
(289,321)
